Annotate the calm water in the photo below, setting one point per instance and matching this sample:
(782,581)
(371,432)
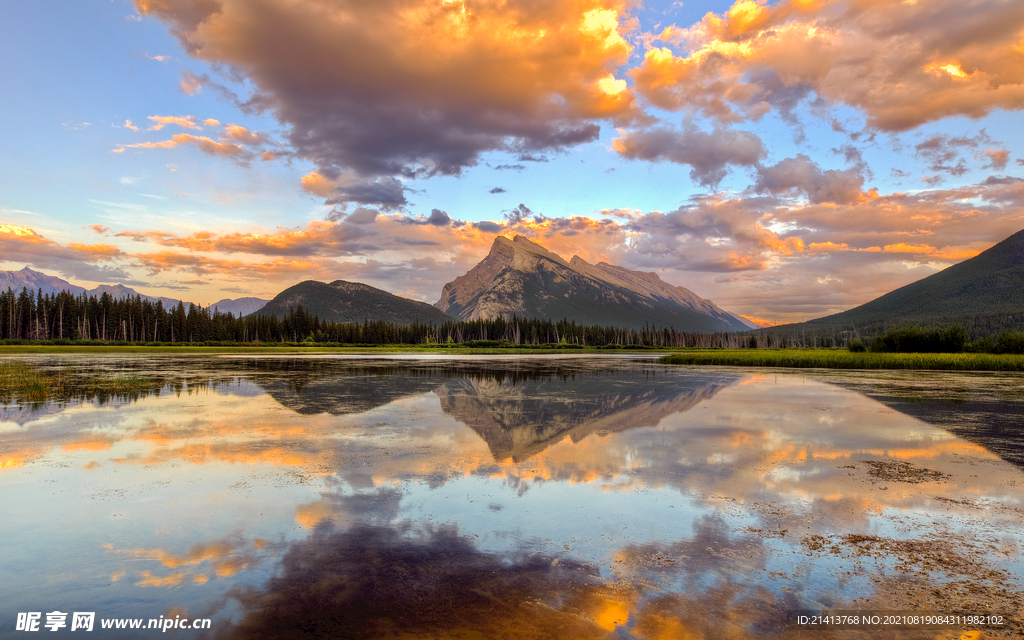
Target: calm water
(509,498)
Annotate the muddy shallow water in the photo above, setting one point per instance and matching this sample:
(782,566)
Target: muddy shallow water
(543,497)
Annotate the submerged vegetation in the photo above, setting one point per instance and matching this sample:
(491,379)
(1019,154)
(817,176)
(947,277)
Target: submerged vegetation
(24,383)
(840,359)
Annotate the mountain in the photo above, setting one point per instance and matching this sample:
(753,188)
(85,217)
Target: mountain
(34,280)
(239,306)
(120,292)
(520,418)
(342,301)
(519,277)
(984,294)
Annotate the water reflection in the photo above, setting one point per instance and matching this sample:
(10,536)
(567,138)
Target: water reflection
(600,498)
(983,408)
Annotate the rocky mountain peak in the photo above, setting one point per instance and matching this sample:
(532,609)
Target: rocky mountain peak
(522,278)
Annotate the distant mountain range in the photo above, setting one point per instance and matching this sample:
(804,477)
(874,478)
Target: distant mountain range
(239,306)
(522,278)
(342,301)
(984,294)
(35,280)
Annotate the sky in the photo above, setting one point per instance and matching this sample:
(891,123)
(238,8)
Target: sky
(785,160)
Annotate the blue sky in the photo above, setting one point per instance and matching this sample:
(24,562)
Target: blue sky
(785,160)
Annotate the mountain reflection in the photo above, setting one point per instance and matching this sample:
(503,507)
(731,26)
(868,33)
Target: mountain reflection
(518,408)
(546,498)
(519,418)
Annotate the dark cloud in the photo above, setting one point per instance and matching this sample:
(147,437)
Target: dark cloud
(711,235)
(709,154)
(384,94)
(517,215)
(386,193)
(997,158)
(585,135)
(439,218)
(496,190)
(854,157)
(362,215)
(943,152)
(488,227)
(373,581)
(993,180)
(804,175)
(510,167)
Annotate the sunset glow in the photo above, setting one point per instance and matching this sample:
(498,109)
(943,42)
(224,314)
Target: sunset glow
(784,159)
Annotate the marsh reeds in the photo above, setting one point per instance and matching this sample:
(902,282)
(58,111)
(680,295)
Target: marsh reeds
(844,359)
(21,382)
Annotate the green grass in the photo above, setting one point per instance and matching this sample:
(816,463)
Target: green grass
(843,359)
(21,382)
(18,379)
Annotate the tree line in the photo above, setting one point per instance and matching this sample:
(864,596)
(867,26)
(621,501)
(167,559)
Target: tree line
(67,318)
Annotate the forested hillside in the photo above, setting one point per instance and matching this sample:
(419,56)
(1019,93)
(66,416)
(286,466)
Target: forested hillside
(65,318)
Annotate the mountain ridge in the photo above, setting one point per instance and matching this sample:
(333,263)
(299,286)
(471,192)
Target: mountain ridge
(343,301)
(522,278)
(985,294)
(32,280)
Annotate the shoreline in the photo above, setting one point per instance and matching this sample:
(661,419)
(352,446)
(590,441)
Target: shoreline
(842,359)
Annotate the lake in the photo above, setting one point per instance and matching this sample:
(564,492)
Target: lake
(508,497)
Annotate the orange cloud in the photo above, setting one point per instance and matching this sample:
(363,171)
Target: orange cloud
(190,84)
(149,580)
(242,135)
(206,145)
(924,65)
(23,244)
(315,183)
(422,86)
(224,558)
(185,122)
(202,265)
(99,251)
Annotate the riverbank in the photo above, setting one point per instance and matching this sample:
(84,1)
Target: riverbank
(841,359)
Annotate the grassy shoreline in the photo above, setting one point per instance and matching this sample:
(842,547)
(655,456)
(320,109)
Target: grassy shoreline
(787,358)
(300,350)
(841,359)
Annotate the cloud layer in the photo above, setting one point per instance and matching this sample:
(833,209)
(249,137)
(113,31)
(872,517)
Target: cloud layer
(901,64)
(416,87)
(812,244)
